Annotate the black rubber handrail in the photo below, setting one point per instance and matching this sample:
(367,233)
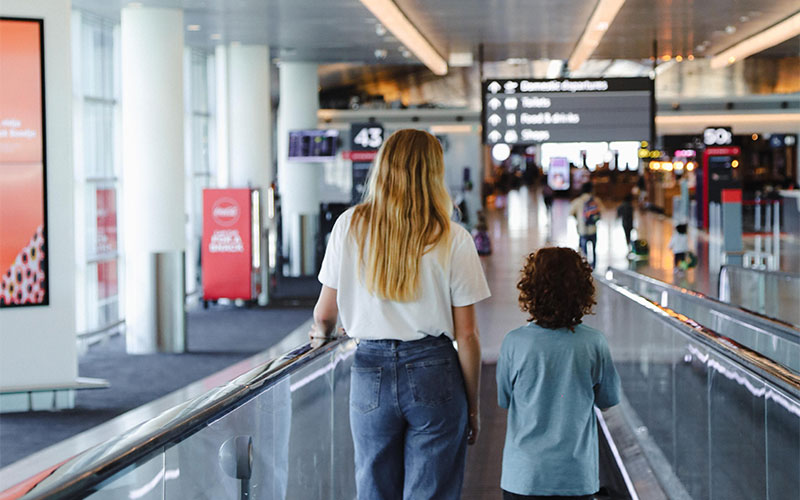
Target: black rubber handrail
(790,331)
(749,359)
(78,475)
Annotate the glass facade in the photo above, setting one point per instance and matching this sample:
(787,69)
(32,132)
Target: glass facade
(99,182)
(200,164)
(97,144)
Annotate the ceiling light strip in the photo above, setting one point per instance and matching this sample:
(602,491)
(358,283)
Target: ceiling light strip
(770,37)
(387,12)
(601,20)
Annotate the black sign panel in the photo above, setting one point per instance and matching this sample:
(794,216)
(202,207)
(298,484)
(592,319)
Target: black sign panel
(312,145)
(528,111)
(363,137)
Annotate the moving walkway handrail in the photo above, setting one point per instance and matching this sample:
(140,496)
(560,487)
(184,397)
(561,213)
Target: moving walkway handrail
(76,476)
(784,328)
(750,359)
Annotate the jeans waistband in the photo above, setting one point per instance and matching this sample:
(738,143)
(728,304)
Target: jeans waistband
(392,345)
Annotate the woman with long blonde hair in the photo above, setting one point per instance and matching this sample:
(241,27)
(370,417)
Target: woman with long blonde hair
(403,279)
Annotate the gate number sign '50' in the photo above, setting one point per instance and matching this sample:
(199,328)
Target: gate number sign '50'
(369,137)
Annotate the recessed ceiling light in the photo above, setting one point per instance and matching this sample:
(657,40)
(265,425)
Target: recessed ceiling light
(381,53)
(690,57)
(731,60)
(602,26)
(744,19)
(666,57)
(135,5)
(380,30)
(700,48)
(216,36)
(679,58)
(193,27)
(730,29)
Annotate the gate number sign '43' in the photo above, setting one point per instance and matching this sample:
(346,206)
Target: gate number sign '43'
(369,137)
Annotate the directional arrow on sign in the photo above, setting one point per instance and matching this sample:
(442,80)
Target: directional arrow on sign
(494,103)
(494,120)
(494,87)
(494,136)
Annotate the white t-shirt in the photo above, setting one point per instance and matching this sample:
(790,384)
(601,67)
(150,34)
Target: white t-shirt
(449,276)
(679,243)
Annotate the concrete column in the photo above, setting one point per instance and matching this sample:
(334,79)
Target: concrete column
(152,165)
(250,130)
(298,183)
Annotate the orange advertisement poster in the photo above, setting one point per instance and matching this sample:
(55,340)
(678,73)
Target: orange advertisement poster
(23,249)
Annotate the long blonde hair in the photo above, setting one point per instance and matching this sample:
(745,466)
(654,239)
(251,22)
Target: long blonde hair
(405,214)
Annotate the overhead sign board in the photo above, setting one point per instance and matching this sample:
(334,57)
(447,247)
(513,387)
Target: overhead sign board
(529,111)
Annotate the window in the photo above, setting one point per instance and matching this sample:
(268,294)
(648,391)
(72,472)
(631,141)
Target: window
(96,171)
(200,164)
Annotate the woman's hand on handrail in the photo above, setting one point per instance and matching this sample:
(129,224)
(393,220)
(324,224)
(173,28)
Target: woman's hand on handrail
(326,312)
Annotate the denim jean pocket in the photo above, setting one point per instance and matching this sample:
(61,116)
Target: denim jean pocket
(431,381)
(365,388)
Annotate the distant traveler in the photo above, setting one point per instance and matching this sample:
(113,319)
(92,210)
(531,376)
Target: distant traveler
(587,212)
(483,244)
(404,279)
(679,244)
(625,212)
(550,375)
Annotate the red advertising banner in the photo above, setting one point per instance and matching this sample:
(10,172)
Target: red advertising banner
(106,221)
(227,244)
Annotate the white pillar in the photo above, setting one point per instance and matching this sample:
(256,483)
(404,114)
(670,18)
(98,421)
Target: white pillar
(152,162)
(299,183)
(250,129)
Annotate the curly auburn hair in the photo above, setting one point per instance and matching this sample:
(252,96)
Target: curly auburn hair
(556,288)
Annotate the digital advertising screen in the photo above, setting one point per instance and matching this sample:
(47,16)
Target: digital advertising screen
(23,211)
(528,111)
(558,174)
(313,145)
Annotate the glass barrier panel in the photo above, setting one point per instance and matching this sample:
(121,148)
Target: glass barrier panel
(718,428)
(777,342)
(143,481)
(291,440)
(773,294)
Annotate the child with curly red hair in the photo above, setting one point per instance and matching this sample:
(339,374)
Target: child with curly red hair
(550,375)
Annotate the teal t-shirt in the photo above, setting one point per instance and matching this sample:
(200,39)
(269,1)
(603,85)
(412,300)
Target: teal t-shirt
(550,380)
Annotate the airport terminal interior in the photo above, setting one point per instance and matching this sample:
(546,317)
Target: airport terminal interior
(171,172)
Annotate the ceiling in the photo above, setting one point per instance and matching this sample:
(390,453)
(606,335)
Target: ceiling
(682,27)
(344,31)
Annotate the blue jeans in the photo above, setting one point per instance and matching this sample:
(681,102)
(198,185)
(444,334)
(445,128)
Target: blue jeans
(584,240)
(408,416)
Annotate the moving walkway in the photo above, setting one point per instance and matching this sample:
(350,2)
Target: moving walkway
(704,416)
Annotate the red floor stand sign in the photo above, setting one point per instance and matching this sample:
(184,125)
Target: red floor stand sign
(230,219)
